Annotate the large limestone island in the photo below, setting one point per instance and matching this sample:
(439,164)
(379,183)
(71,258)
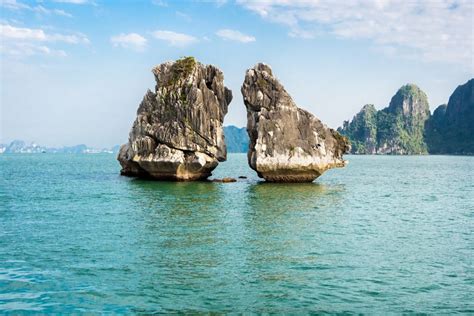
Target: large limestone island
(406,127)
(287,144)
(178,133)
(397,129)
(450,130)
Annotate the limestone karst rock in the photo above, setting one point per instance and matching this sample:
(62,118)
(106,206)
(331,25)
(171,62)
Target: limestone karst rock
(450,129)
(397,129)
(362,131)
(287,144)
(178,134)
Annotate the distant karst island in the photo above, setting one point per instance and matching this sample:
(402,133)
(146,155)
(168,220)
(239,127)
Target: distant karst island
(406,126)
(23,147)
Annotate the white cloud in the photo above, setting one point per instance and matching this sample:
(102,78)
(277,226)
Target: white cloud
(220,3)
(160,3)
(62,12)
(28,49)
(42,10)
(438,30)
(72,1)
(23,41)
(174,39)
(132,40)
(15,5)
(21,33)
(184,16)
(234,35)
(9,32)
(22,49)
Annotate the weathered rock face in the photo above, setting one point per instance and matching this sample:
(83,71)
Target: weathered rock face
(287,144)
(178,133)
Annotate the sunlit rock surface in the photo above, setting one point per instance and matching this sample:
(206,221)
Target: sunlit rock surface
(287,144)
(178,132)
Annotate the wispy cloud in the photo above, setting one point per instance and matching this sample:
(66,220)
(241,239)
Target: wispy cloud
(15,5)
(175,39)
(73,1)
(9,32)
(160,3)
(23,41)
(234,35)
(220,3)
(22,49)
(132,40)
(439,30)
(184,16)
(43,10)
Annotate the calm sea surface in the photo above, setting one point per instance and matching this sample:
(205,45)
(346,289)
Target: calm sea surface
(384,234)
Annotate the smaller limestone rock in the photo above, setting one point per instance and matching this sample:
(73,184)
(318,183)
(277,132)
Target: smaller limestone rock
(287,144)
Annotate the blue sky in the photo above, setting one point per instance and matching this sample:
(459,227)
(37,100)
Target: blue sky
(74,71)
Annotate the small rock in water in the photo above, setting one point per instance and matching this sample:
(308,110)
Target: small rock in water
(242,177)
(287,144)
(178,132)
(224,180)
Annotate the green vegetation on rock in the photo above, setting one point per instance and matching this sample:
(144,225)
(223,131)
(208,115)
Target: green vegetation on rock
(182,68)
(406,126)
(362,131)
(397,129)
(450,130)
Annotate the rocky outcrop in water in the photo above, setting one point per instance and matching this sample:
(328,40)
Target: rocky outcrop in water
(287,144)
(178,133)
(397,129)
(450,129)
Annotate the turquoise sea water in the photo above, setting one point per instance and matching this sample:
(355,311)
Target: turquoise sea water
(385,234)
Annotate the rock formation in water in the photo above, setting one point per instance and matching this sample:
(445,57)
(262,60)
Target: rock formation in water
(397,129)
(450,130)
(178,133)
(287,144)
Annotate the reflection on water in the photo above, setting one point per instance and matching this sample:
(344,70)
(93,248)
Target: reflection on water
(203,240)
(283,224)
(279,197)
(176,197)
(179,239)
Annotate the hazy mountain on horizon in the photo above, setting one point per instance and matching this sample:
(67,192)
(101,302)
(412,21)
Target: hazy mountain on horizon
(22,147)
(237,141)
